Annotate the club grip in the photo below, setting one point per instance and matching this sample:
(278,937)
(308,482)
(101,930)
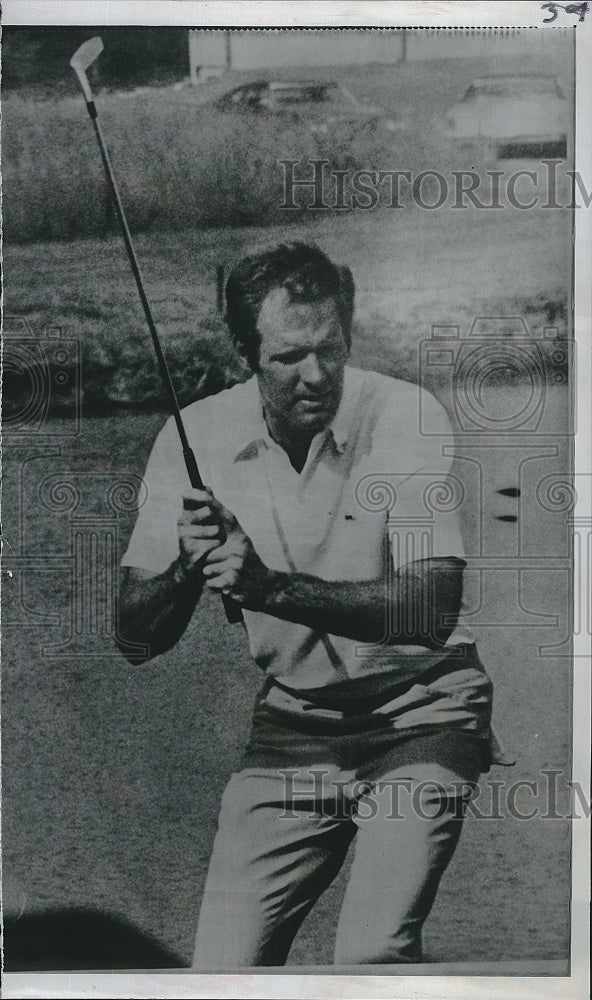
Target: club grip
(233,610)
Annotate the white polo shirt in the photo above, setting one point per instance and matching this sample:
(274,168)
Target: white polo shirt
(373,489)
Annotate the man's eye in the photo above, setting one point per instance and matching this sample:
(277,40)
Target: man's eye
(327,353)
(330,352)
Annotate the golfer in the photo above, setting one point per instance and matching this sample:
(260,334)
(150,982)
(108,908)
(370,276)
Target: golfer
(373,720)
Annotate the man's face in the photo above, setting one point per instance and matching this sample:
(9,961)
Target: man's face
(301,362)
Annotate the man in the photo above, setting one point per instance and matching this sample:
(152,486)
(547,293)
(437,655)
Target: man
(373,720)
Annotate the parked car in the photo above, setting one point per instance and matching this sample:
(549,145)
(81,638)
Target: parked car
(321,106)
(520,115)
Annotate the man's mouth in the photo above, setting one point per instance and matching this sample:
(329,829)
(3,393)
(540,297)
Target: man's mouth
(319,399)
(313,404)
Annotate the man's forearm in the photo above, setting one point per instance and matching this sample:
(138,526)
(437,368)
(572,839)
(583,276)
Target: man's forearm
(155,611)
(419,606)
(353,610)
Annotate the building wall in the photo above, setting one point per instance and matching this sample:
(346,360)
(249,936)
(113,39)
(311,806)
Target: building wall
(273,49)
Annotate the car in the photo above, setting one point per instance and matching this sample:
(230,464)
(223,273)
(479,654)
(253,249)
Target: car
(322,106)
(521,115)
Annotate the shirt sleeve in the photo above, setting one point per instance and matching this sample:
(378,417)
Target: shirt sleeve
(424,519)
(154,543)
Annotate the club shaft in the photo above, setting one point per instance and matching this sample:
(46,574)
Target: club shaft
(190,462)
(233,611)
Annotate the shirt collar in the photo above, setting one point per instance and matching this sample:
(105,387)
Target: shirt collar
(253,430)
(342,422)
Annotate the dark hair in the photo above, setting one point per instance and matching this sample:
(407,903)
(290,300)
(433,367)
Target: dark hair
(303,270)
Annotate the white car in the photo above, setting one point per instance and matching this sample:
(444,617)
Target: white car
(519,115)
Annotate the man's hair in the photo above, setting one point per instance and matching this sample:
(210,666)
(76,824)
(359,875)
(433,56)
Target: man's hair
(306,273)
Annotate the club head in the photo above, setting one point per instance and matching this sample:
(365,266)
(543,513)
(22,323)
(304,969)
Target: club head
(83,58)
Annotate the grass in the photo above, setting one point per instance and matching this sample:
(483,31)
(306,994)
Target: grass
(175,167)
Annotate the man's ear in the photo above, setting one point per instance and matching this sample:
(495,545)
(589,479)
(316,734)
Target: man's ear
(347,292)
(250,366)
(346,285)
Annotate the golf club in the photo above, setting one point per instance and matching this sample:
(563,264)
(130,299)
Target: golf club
(80,62)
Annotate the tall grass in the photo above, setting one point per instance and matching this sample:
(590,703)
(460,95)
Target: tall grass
(178,163)
(175,164)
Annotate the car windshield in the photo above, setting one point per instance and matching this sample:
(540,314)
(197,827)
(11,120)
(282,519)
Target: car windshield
(517,87)
(303,97)
(250,95)
(300,95)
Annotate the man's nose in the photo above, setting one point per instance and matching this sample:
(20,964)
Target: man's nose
(311,371)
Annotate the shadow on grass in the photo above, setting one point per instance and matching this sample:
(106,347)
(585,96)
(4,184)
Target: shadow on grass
(80,939)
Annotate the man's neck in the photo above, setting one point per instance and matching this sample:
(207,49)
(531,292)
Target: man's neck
(295,444)
(298,456)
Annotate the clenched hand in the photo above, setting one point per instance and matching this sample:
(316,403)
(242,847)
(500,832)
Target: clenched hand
(212,541)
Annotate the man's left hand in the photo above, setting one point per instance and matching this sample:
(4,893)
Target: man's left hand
(235,569)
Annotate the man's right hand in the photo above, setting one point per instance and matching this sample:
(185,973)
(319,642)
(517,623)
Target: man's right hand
(201,529)
(155,608)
